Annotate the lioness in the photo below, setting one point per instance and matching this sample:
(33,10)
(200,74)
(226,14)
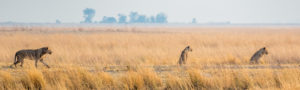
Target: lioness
(184,55)
(32,54)
(257,55)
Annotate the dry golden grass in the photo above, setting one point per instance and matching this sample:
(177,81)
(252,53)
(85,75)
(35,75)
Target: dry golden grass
(146,57)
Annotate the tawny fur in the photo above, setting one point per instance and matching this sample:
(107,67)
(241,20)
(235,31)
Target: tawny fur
(31,54)
(184,55)
(257,55)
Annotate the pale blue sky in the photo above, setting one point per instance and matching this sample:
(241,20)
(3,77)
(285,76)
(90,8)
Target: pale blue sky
(235,11)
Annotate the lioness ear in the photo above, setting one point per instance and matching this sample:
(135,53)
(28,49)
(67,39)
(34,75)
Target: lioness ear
(188,46)
(264,47)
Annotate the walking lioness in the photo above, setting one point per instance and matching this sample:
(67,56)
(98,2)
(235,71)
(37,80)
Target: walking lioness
(32,54)
(257,55)
(184,55)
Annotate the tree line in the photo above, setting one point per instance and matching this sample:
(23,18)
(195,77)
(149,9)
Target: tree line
(134,17)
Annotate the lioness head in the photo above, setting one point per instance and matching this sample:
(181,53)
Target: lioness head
(46,50)
(265,51)
(189,48)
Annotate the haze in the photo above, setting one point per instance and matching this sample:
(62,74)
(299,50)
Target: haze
(178,11)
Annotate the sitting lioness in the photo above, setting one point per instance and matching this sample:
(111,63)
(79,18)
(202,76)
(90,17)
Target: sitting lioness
(184,55)
(257,55)
(32,54)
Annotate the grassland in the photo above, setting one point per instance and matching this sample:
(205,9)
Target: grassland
(146,58)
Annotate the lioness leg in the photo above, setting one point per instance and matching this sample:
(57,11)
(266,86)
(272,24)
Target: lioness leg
(180,61)
(44,63)
(18,61)
(22,61)
(256,61)
(36,62)
(15,63)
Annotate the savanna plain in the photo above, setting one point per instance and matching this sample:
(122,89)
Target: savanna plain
(146,58)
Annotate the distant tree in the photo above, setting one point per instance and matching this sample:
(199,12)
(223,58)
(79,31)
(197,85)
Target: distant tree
(133,17)
(122,18)
(58,21)
(88,15)
(137,18)
(194,20)
(108,20)
(141,19)
(152,19)
(161,18)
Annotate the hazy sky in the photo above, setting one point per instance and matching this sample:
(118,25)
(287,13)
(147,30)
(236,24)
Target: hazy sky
(235,11)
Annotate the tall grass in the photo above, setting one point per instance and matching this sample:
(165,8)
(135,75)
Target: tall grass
(136,80)
(210,46)
(144,58)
